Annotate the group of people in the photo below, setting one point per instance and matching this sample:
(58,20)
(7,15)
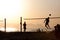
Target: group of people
(46,21)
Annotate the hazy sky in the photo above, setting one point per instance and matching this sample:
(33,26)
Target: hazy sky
(13,9)
(40,8)
(29,8)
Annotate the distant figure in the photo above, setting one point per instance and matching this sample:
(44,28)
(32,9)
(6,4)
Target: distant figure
(24,26)
(47,23)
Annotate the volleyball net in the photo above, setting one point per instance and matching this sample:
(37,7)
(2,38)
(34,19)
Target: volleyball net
(34,24)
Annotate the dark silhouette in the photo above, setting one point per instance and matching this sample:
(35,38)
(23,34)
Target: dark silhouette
(57,28)
(24,26)
(49,14)
(57,31)
(47,23)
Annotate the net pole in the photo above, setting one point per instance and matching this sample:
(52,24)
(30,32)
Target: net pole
(5,24)
(20,24)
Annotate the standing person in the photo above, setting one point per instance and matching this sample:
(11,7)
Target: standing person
(47,23)
(24,26)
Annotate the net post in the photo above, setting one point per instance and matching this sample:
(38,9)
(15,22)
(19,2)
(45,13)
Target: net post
(20,24)
(5,24)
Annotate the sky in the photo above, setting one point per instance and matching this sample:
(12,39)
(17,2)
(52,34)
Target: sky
(25,8)
(41,8)
(12,10)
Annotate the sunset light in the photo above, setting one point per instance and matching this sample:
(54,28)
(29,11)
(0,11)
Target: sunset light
(8,29)
(29,19)
(10,8)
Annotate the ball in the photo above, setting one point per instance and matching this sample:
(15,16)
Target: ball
(49,14)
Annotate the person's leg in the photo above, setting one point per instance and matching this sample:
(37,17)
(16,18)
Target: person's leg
(49,26)
(46,26)
(24,30)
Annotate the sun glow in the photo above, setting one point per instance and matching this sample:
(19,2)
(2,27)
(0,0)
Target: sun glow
(10,8)
(8,29)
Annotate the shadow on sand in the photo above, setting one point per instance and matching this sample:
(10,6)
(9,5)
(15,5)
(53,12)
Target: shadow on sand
(29,36)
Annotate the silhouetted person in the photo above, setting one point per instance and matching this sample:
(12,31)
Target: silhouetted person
(24,26)
(47,23)
(57,27)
